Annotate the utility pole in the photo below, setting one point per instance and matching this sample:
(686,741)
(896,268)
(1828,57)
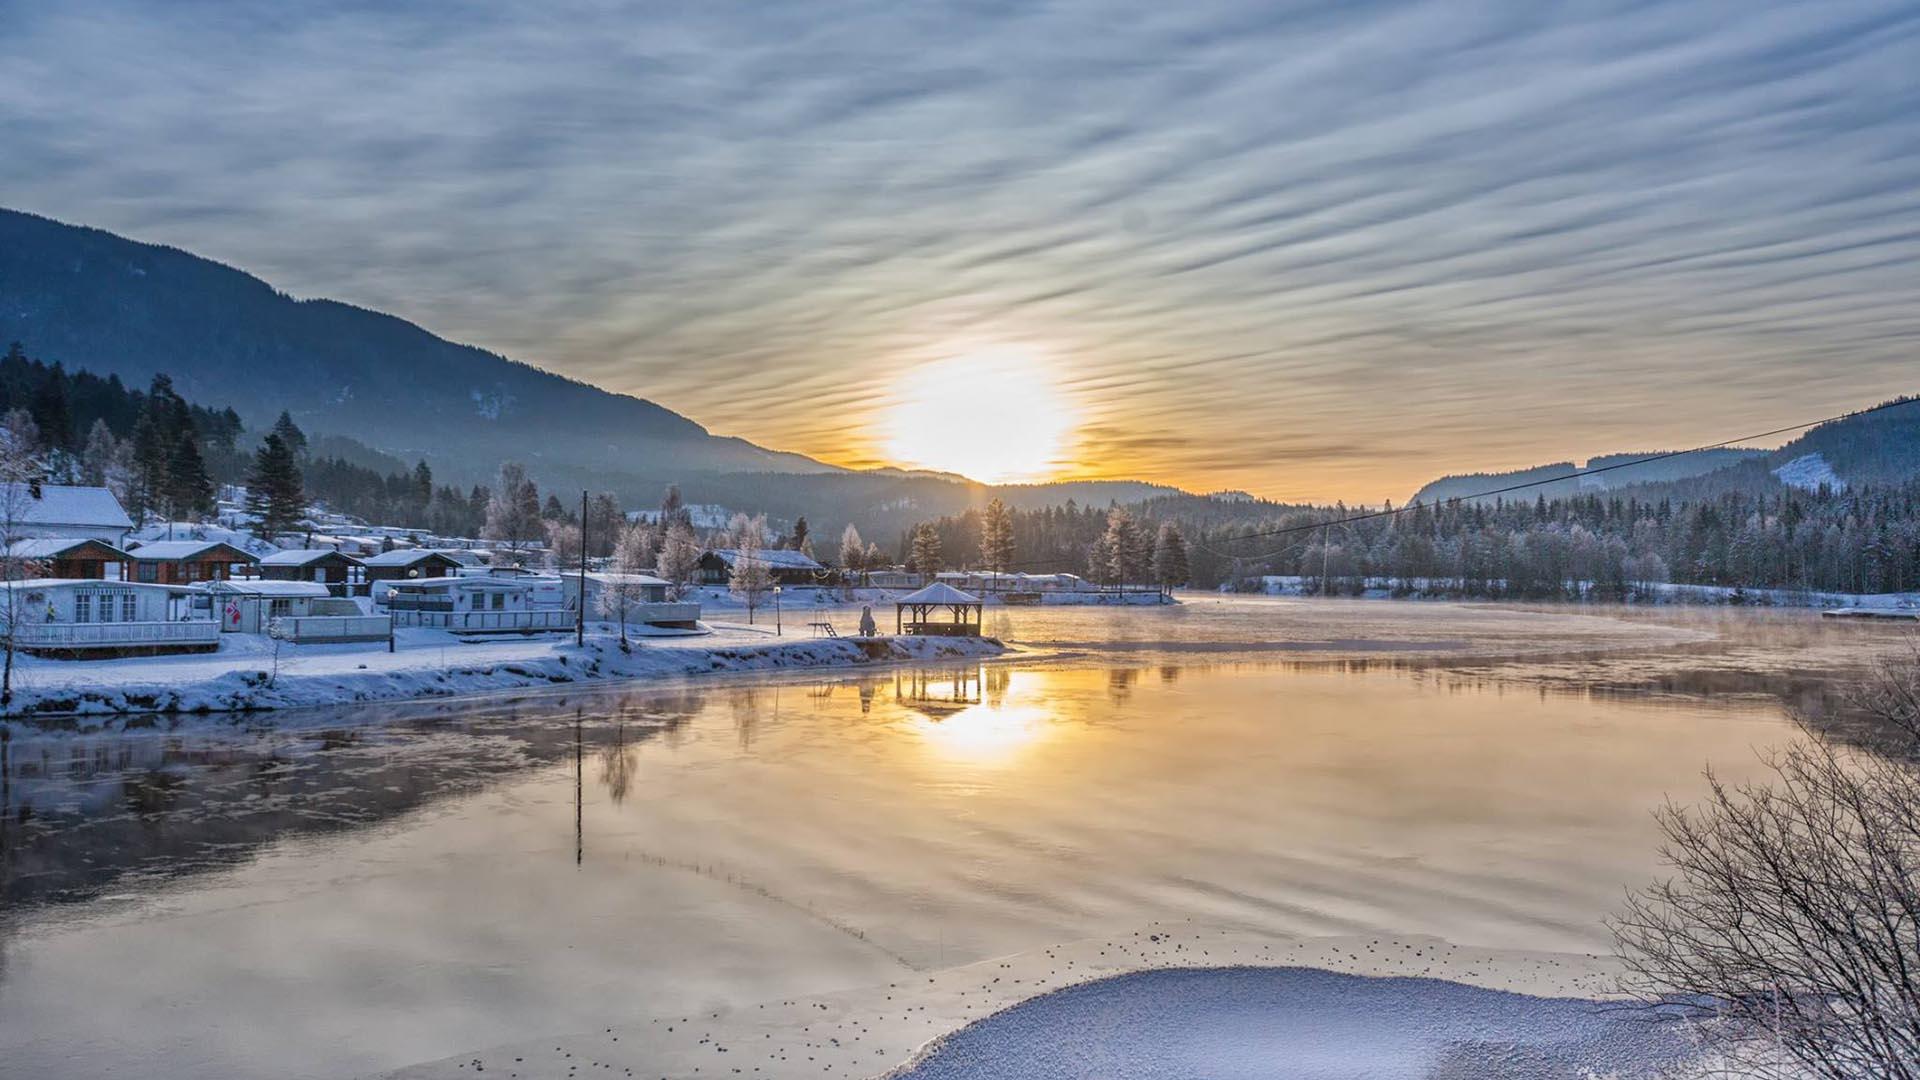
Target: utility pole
(580,616)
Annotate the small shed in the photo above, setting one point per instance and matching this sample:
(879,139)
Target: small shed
(341,573)
(184,562)
(920,612)
(77,557)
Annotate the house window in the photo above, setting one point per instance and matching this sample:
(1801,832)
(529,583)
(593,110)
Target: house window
(149,571)
(83,607)
(499,601)
(279,609)
(129,607)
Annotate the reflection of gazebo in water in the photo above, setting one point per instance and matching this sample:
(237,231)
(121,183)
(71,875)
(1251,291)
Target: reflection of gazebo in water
(937,694)
(915,612)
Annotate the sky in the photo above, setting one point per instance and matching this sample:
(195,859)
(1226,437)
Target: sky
(1304,250)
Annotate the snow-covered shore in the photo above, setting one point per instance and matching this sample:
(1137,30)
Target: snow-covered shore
(245,675)
(1656,593)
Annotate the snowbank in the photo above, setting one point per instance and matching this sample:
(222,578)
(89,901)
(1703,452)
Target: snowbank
(246,676)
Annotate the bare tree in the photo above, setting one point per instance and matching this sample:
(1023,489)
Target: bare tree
(1791,927)
(20,470)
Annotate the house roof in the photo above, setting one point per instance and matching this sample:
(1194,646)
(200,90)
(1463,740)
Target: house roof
(406,557)
(779,558)
(938,593)
(171,550)
(613,577)
(302,557)
(465,581)
(50,582)
(65,504)
(48,547)
(259,587)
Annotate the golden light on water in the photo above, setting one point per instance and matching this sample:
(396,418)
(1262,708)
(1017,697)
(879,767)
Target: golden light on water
(996,414)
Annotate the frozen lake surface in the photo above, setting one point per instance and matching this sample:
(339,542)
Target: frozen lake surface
(353,892)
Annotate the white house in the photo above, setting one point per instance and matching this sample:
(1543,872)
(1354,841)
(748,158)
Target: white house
(473,605)
(94,618)
(64,510)
(647,598)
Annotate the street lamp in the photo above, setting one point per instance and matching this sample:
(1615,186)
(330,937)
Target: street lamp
(776,611)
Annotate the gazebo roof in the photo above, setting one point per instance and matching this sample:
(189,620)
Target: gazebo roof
(938,593)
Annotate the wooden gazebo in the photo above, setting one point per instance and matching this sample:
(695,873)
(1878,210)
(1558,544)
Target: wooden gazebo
(916,612)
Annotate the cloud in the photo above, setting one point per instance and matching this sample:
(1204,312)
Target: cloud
(1417,236)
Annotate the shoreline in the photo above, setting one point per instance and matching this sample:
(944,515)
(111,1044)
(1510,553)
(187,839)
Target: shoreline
(243,682)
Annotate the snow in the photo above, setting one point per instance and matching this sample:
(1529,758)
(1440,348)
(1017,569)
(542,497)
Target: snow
(170,550)
(46,547)
(405,557)
(198,530)
(244,674)
(938,593)
(297,557)
(1808,472)
(65,504)
(266,587)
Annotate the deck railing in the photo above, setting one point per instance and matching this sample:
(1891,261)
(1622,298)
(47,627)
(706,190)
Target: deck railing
(477,622)
(113,635)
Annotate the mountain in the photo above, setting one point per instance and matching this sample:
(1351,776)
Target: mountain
(90,299)
(381,392)
(1877,445)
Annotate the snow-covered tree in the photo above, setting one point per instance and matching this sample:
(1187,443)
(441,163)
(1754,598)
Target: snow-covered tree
(679,558)
(563,545)
(751,578)
(996,536)
(633,556)
(19,472)
(853,551)
(513,511)
(1128,547)
(925,555)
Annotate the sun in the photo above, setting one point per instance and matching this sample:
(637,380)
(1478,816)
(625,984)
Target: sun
(995,414)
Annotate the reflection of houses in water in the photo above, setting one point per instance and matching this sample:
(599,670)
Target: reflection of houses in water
(937,693)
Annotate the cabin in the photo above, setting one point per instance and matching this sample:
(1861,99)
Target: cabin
(304,612)
(81,619)
(409,564)
(788,567)
(647,602)
(472,605)
(73,557)
(342,574)
(188,562)
(67,510)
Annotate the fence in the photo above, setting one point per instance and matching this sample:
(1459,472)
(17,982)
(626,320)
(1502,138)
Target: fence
(321,628)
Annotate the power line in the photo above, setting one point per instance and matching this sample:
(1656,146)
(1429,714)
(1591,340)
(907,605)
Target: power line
(1508,489)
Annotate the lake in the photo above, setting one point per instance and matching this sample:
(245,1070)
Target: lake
(348,892)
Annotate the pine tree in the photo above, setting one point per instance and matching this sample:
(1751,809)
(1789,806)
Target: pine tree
(291,435)
(853,550)
(1170,557)
(274,493)
(149,482)
(996,536)
(926,554)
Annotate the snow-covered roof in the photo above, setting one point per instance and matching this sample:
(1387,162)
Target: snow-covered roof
(780,558)
(51,582)
(474,581)
(300,557)
(610,577)
(47,547)
(66,504)
(938,593)
(261,587)
(405,557)
(170,550)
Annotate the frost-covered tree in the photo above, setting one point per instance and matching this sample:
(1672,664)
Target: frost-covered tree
(1128,547)
(679,558)
(633,556)
(19,472)
(750,578)
(513,511)
(853,550)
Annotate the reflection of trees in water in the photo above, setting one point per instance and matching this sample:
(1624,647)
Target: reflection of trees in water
(79,813)
(1120,683)
(998,677)
(937,692)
